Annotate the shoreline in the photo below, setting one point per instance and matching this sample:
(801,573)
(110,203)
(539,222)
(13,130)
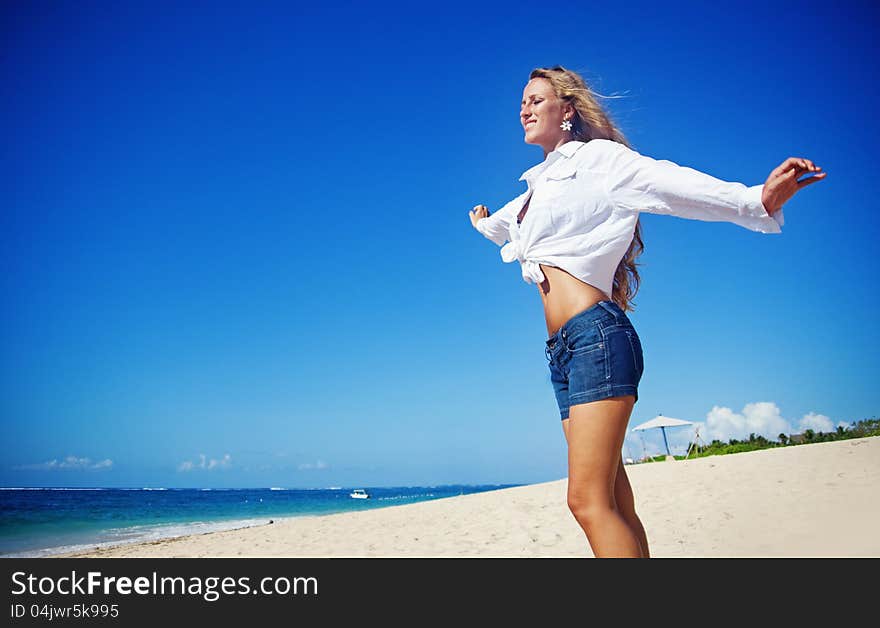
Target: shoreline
(219,525)
(138,518)
(813,500)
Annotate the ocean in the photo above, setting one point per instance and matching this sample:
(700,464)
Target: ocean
(36,522)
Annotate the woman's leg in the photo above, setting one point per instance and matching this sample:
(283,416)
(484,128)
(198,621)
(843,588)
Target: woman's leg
(625,501)
(626,506)
(595,437)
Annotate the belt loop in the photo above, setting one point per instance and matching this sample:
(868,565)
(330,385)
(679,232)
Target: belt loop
(610,307)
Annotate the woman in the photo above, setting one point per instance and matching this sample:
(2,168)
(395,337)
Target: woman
(576,233)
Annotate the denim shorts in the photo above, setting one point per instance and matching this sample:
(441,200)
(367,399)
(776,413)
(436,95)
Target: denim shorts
(595,355)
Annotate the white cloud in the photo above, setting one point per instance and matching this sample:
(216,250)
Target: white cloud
(204,463)
(68,463)
(306,466)
(760,418)
(224,462)
(816,422)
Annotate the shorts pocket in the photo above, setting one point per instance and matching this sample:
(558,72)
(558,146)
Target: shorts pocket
(635,344)
(590,369)
(596,346)
(585,340)
(624,370)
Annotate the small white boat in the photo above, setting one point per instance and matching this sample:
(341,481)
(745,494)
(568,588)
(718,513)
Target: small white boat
(359,493)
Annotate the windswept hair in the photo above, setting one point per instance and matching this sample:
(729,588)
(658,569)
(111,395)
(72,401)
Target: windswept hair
(591,122)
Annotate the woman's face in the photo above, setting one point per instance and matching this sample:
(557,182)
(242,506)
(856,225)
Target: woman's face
(541,113)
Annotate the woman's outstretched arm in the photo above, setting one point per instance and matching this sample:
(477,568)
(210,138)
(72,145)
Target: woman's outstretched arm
(638,183)
(496,227)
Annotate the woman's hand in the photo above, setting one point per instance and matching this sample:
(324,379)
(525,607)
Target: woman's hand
(783,182)
(480,211)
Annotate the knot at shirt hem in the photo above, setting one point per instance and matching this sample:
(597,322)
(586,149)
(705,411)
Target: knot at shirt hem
(531,270)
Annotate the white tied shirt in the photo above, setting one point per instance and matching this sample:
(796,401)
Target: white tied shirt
(586,199)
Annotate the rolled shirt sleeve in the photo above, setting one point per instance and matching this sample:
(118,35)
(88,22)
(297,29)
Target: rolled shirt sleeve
(638,183)
(496,226)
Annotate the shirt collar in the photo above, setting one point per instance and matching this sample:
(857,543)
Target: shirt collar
(567,150)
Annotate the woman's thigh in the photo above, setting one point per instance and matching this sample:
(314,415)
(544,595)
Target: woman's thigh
(623,494)
(595,432)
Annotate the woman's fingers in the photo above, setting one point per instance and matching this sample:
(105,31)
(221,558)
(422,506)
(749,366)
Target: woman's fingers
(479,211)
(805,165)
(811,179)
(798,164)
(783,182)
(786,165)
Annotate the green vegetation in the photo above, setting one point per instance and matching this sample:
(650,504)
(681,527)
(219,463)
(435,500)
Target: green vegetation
(859,429)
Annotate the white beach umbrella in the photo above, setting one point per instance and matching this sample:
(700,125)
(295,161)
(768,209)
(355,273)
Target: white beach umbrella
(662,422)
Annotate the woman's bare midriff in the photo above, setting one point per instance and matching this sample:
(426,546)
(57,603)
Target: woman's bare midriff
(564,296)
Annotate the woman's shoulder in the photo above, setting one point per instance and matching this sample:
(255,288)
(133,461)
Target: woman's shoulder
(595,154)
(603,146)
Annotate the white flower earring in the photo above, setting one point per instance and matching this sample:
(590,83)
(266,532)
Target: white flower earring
(566,125)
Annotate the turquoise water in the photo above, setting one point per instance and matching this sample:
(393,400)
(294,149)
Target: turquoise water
(45,521)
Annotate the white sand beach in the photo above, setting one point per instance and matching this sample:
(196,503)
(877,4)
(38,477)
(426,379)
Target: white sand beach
(817,500)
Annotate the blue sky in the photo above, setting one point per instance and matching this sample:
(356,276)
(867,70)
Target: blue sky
(237,249)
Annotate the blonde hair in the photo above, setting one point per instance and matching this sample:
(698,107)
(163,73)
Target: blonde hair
(591,122)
